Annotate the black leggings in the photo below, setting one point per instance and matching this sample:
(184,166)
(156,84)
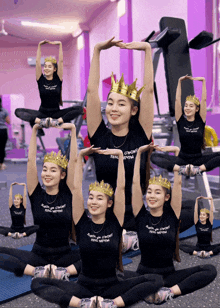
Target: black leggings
(3,141)
(166,161)
(188,280)
(131,290)
(67,114)
(15,260)
(189,248)
(28,230)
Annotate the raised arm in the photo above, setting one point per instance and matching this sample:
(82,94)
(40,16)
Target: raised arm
(119,199)
(24,195)
(196,215)
(77,199)
(93,111)
(146,115)
(60,62)
(176,200)
(137,197)
(38,64)
(178,105)
(202,110)
(10,199)
(32,178)
(73,154)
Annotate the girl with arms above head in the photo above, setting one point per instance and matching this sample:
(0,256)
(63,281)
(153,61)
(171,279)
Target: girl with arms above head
(99,241)
(4,118)
(131,120)
(51,255)
(157,231)
(50,90)
(17,211)
(203,223)
(191,126)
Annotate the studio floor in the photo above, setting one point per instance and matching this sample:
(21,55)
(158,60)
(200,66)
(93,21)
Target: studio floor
(204,298)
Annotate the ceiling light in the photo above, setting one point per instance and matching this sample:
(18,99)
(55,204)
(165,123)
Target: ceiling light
(121,8)
(41,25)
(80,42)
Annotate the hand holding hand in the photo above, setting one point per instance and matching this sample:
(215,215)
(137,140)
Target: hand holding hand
(66,126)
(44,42)
(185,77)
(108,44)
(115,152)
(14,183)
(54,42)
(146,147)
(134,45)
(88,151)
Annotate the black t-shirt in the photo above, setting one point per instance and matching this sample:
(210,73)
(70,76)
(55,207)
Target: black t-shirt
(17,216)
(99,246)
(53,214)
(191,134)
(204,232)
(107,166)
(50,92)
(157,237)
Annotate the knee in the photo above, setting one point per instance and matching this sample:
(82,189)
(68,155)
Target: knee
(36,285)
(210,269)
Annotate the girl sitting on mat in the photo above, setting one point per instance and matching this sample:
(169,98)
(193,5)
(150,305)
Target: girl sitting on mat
(17,211)
(51,255)
(50,89)
(157,230)
(131,120)
(191,126)
(99,241)
(203,248)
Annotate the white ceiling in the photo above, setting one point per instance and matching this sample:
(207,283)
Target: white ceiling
(67,13)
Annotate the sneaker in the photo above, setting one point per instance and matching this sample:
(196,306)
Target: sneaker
(42,271)
(184,170)
(150,299)
(206,254)
(14,235)
(3,166)
(59,273)
(105,303)
(163,295)
(44,123)
(130,241)
(88,302)
(195,171)
(200,254)
(19,235)
(55,123)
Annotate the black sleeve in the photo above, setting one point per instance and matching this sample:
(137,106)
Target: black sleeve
(81,224)
(40,79)
(36,192)
(140,214)
(101,131)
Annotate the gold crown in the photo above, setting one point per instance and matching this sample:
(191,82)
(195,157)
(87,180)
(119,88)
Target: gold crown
(57,159)
(19,196)
(124,89)
(102,187)
(205,210)
(50,59)
(193,99)
(160,181)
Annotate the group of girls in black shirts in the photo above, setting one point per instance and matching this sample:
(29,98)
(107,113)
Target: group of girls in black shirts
(121,156)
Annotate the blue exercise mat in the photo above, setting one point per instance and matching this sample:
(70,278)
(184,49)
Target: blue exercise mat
(192,231)
(12,287)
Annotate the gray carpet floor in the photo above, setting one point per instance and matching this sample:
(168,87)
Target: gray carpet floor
(204,298)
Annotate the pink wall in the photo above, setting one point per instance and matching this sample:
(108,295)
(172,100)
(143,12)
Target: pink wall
(105,26)
(17,77)
(146,17)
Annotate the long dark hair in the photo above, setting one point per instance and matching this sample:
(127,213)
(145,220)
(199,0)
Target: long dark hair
(0,103)
(54,76)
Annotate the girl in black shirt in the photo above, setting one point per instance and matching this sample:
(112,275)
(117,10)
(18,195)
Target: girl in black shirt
(52,211)
(157,230)
(98,239)
(17,211)
(203,248)
(191,126)
(50,89)
(130,117)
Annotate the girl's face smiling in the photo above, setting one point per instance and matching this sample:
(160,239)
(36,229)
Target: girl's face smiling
(49,69)
(156,197)
(98,203)
(51,175)
(190,109)
(17,201)
(119,109)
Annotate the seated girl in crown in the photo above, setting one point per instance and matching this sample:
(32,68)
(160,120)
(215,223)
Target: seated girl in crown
(130,117)
(157,230)
(51,255)
(203,224)
(50,90)
(99,239)
(18,210)
(191,126)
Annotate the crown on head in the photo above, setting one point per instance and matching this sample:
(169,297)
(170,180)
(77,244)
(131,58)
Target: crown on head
(19,196)
(50,59)
(102,187)
(193,99)
(205,210)
(124,89)
(160,181)
(57,159)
